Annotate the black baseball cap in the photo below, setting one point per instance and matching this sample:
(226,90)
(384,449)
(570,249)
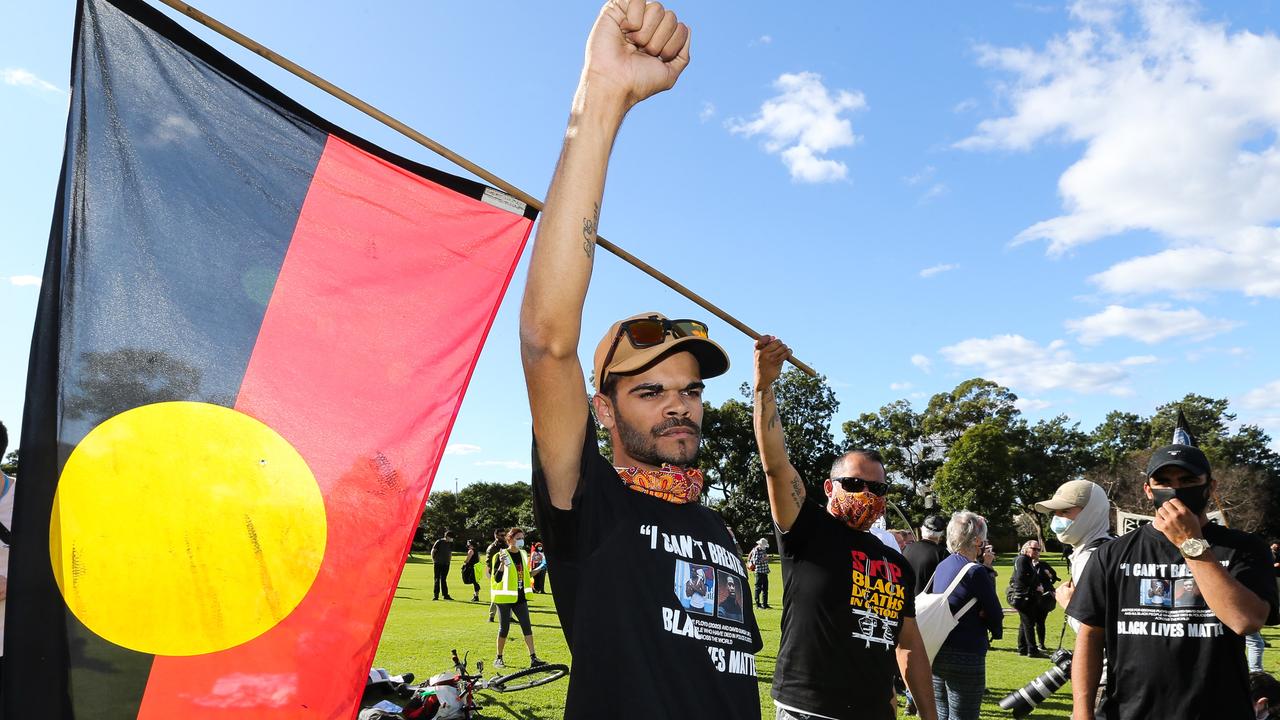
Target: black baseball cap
(935,523)
(1184,456)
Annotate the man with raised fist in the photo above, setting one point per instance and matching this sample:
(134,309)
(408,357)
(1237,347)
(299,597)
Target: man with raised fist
(641,568)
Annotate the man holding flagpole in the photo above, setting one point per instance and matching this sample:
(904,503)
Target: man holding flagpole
(624,538)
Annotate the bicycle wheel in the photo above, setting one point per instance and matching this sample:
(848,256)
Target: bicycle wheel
(525,679)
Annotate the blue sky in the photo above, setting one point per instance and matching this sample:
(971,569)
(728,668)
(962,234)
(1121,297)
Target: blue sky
(1079,201)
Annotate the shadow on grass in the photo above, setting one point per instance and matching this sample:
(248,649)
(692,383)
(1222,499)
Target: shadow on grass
(487,705)
(412,560)
(408,597)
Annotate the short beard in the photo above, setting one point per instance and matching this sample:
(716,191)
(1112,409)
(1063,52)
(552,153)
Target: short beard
(643,447)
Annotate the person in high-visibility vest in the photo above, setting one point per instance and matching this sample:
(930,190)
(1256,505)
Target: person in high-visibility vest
(509,573)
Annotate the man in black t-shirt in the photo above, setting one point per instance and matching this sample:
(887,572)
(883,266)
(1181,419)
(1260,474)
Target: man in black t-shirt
(848,600)
(441,555)
(648,581)
(925,555)
(1171,603)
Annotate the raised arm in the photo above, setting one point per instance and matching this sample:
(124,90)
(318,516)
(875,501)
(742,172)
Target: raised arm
(635,50)
(786,490)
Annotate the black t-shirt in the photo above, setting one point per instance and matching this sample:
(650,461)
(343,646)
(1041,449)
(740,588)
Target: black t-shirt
(650,596)
(1168,655)
(442,551)
(923,557)
(844,597)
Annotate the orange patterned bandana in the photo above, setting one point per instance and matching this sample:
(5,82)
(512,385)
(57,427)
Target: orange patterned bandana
(673,484)
(857,510)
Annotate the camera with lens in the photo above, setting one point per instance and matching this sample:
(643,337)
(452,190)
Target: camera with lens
(1024,700)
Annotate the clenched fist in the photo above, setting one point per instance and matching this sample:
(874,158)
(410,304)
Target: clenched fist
(636,50)
(770,353)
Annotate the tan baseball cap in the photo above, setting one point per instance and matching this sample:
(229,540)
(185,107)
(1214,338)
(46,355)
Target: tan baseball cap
(1070,494)
(627,358)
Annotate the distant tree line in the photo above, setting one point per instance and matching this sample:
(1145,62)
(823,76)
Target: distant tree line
(967,448)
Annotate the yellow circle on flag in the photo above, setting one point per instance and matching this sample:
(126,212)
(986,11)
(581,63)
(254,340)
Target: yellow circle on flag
(184,528)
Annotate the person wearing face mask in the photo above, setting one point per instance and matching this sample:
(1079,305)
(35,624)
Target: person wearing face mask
(1165,661)
(510,572)
(848,600)
(1081,518)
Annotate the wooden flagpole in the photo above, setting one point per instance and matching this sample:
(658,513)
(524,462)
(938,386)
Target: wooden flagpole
(275,58)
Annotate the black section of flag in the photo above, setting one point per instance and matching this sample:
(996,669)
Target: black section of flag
(182,182)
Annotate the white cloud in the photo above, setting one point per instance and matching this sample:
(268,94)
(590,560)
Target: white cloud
(1152,324)
(1263,407)
(507,464)
(1031,404)
(1178,120)
(765,39)
(926,173)
(936,269)
(1025,365)
(1265,398)
(964,106)
(803,123)
(922,362)
(25,280)
(707,112)
(935,190)
(25,78)
(461,449)
(900,386)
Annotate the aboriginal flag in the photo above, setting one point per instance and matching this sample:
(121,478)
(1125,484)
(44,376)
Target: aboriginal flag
(254,334)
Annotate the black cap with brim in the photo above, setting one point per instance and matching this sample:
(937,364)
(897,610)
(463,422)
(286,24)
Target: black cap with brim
(1186,457)
(935,523)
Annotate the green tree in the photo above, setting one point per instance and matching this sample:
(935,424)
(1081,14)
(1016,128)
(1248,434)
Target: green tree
(972,402)
(1044,456)
(911,457)
(442,513)
(978,474)
(1119,434)
(807,406)
(10,464)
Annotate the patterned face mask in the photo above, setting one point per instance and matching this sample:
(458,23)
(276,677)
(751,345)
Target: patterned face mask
(673,484)
(857,510)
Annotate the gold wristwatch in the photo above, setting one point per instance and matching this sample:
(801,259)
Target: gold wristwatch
(1193,547)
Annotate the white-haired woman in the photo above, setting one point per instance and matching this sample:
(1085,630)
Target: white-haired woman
(960,667)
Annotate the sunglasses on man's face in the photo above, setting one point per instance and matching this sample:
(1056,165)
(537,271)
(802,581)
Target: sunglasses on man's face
(648,332)
(854,484)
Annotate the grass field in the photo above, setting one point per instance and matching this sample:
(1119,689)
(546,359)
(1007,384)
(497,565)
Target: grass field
(420,633)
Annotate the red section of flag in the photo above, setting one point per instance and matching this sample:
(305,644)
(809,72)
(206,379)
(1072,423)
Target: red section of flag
(382,305)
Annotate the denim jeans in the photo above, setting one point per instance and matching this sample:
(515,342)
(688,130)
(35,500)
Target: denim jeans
(959,680)
(1253,651)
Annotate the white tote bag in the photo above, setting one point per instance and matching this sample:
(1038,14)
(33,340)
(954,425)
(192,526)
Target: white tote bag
(933,613)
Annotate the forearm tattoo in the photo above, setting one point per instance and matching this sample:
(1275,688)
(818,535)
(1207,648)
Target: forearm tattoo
(770,407)
(797,490)
(589,227)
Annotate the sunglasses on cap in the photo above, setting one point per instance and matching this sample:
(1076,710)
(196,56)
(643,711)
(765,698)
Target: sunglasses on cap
(649,332)
(854,484)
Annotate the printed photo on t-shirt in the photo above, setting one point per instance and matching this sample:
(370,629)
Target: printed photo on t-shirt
(1186,593)
(728,597)
(1155,592)
(695,587)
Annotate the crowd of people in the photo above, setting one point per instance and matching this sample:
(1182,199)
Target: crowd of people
(626,536)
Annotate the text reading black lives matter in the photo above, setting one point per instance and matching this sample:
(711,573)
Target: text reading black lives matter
(709,584)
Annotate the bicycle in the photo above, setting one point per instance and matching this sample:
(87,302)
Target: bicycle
(448,695)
